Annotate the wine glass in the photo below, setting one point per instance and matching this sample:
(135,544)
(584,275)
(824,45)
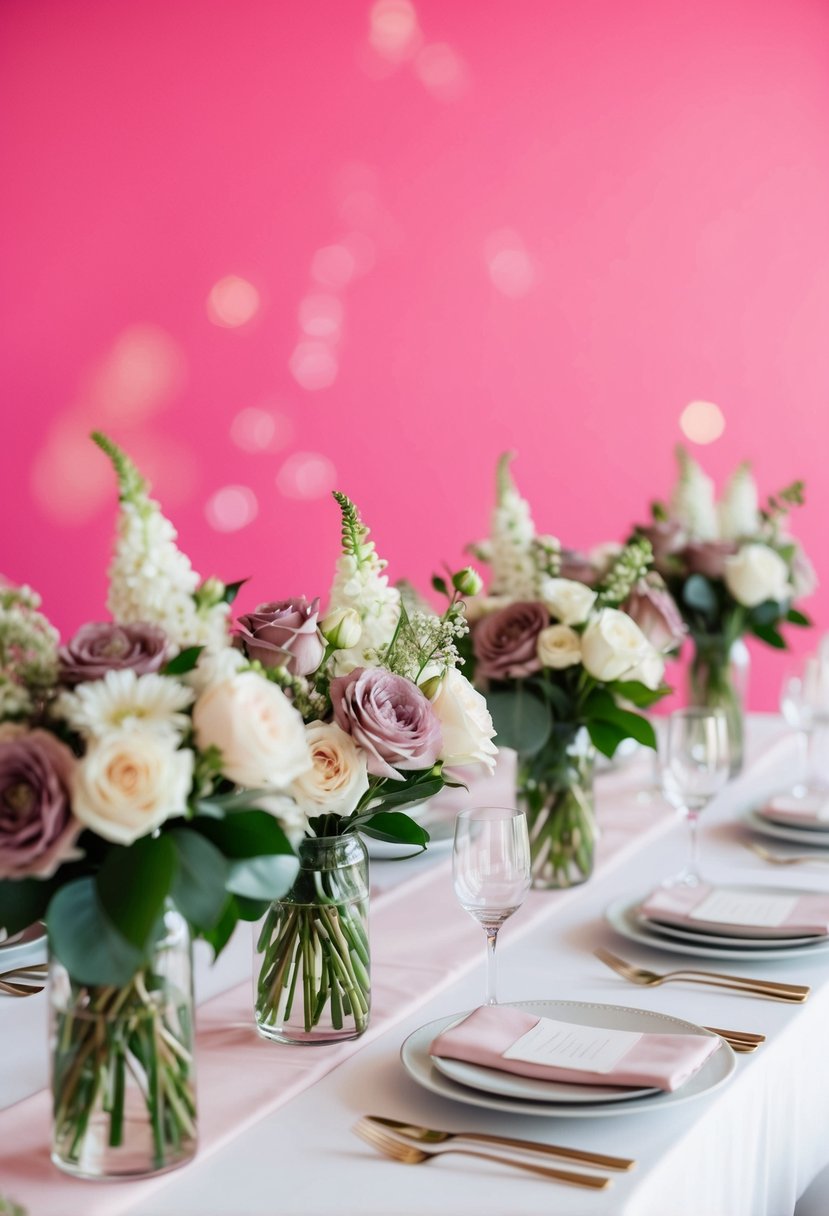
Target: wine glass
(491,871)
(804,703)
(694,766)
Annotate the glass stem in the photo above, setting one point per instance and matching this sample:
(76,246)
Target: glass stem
(693,867)
(491,940)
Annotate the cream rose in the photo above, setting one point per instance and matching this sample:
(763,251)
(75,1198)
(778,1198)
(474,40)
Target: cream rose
(256,728)
(649,671)
(128,783)
(337,778)
(559,646)
(613,645)
(755,574)
(465,723)
(568,601)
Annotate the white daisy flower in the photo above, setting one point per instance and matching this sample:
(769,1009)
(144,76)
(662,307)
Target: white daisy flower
(123,700)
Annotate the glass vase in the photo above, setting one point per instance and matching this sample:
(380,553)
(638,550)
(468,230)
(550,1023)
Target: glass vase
(556,791)
(718,679)
(312,965)
(123,1071)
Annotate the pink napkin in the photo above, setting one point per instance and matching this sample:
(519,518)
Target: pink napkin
(656,1061)
(801,915)
(812,809)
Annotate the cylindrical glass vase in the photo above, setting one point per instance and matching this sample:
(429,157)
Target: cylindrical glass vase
(718,679)
(311,964)
(556,791)
(123,1068)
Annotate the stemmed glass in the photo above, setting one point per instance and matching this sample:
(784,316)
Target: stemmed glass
(694,766)
(491,871)
(804,703)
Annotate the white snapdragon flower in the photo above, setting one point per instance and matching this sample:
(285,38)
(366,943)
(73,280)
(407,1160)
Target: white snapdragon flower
(361,587)
(692,503)
(512,532)
(738,511)
(122,700)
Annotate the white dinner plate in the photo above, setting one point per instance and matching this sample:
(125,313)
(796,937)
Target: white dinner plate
(510,1085)
(714,1072)
(24,948)
(623,916)
(818,838)
(441,834)
(728,939)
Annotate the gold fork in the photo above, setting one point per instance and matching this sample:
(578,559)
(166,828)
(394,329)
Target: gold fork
(400,1150)
(19,989)
(780,859)
(794,993)
(431,1135)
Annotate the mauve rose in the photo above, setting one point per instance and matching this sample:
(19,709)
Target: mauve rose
(506,642)
(578,567)
(37,828)
(708,556)
(655,612)
(103,646)
(389,718)
(284,633)
(666,536)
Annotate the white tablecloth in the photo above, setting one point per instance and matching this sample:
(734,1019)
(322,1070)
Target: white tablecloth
(749,1148)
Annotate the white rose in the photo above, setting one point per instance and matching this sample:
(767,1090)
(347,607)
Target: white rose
(129,783)
(570,602)
(613,645)
(342,628)
(649,671)
(337,778)
(465,722)
(755,574)
(559,646)
(256,728)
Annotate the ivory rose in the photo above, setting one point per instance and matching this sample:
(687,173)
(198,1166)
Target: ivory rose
(255,727)
(337,778)
(569,602)
(559,647)
(613,645)
(130,782)
(756,574)
(465,722)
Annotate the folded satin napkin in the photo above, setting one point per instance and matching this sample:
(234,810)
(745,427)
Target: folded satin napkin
(812,809)
(739,913)
(653,1061)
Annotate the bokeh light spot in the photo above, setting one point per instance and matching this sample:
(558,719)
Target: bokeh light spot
(313,365)
(393,28)
(441,72)
(702,422)
(259,430)
(321,316)
(231,508)
(306,475)
(143,370)
(333,266)
(232,302)
(511,270)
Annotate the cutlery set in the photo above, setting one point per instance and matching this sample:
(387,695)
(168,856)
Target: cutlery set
(23,981)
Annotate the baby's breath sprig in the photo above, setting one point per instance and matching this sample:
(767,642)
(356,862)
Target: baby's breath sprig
(631,565)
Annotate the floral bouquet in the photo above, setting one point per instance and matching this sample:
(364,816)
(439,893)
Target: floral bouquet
(565,663)
(733,570)
(126,756)
(388,717)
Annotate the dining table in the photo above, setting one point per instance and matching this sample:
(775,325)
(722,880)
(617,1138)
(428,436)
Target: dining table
(276,1121)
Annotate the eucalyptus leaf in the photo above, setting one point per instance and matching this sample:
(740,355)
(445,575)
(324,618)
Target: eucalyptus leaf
(522,720)
(767,613)
(132,885)
(698,593)
(221,933)
(247,833)
(199,882)
(84,939)
(267,877)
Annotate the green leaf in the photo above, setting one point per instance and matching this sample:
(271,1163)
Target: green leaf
(395,826)
(639,694)
(23,901)
(439,584)
(408,794)
(233,589)
(248,833)
(199,881)
(698,593)
(183,662)
(132,885)
(222,931)
(767,613)
(605,736)
(84,939)
(522,720)
(601,706)
(794,617)
(251,909)
(770,635)
(267,877)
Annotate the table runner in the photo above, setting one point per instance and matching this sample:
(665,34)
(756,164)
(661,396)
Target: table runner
(242,1078)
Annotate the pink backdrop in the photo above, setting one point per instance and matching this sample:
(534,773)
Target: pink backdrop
(278,247)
